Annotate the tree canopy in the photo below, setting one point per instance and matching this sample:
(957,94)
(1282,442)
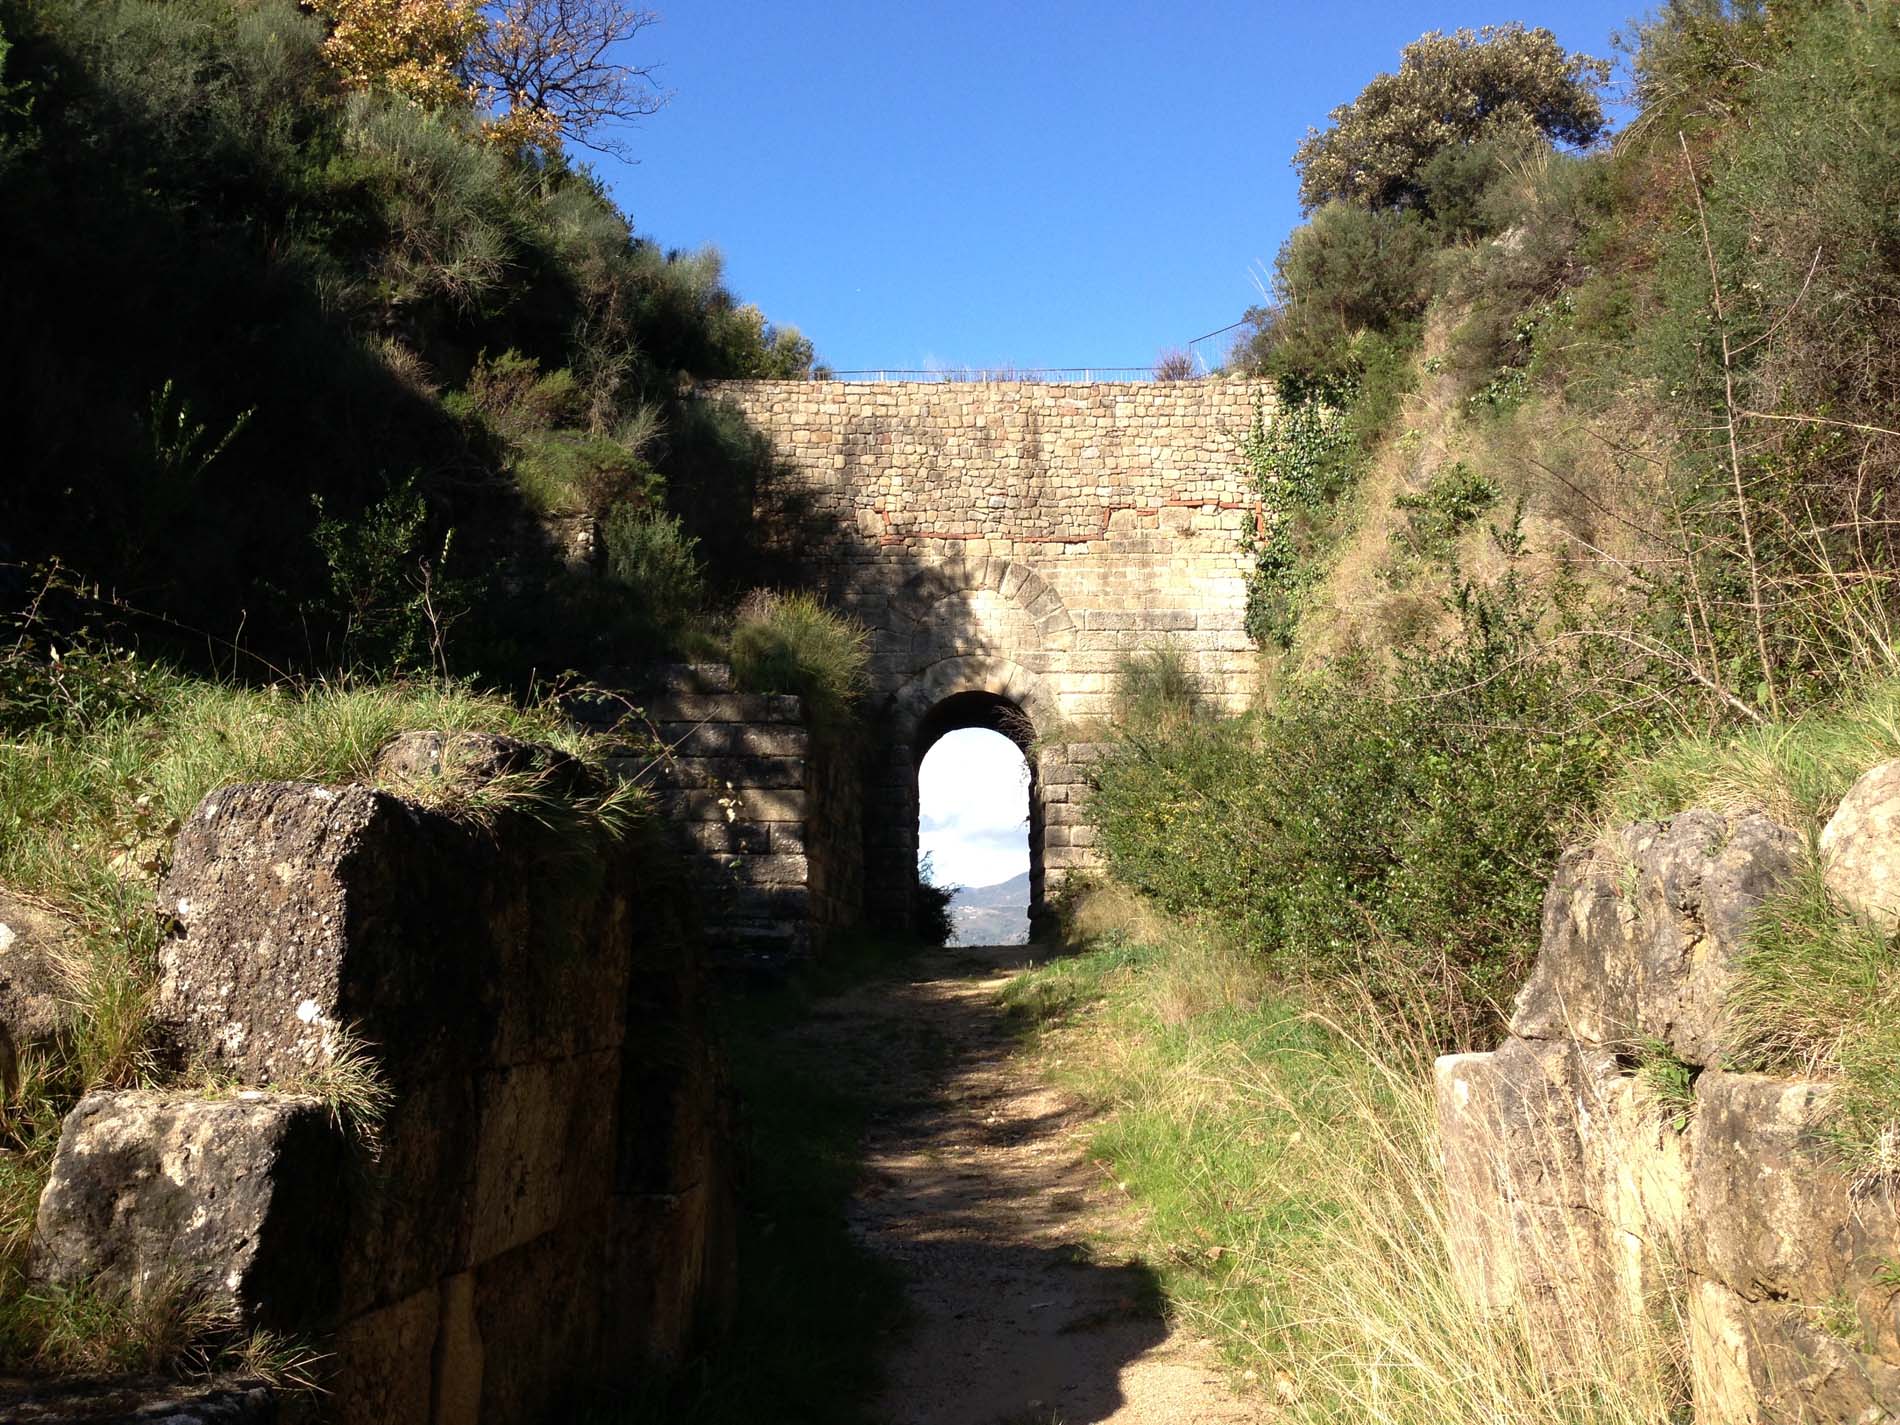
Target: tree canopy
(1500,84)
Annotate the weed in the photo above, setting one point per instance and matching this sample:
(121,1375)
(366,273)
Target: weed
(1667,1082)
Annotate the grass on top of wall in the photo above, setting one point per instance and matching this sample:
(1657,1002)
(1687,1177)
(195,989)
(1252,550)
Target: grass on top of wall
(102,755)
(1284,1158)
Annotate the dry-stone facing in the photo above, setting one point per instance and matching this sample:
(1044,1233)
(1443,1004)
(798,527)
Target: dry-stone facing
(1860,846)
(545,1204)
(769,809)
(1016,539)
(1579,1198)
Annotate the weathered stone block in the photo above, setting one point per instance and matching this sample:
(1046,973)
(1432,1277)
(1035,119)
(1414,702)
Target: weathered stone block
(1860,846)
(231,1197)
(35,999)
(1643,944)
(385,1363)
(540,1123)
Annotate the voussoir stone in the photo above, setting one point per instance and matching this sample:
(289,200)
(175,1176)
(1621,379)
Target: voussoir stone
(1642,942)
(227,1197)
(1860,846)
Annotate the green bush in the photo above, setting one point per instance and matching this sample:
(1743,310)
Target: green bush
(1156,688)
(1452,499)
(930,909)
(655,564)
(1347,272)
(791,643)
(1406,820)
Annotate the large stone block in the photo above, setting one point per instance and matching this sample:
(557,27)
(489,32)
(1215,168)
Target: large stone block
(296,905)
(1860,846)
(35,998)
(1642,943)
(233,1197)
(1794,1304)
(1564,1191)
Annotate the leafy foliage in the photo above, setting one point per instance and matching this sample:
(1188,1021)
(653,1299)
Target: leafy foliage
(1502,84)
(1408,818)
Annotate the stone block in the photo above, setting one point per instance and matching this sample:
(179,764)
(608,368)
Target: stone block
(542,1125)
(1860,847)
(1643,943)
(1776,1219)
(231,1197)
(385,1363)
(1564,1192)
(35,999)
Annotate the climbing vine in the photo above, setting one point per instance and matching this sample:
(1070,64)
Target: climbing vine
(1303,458)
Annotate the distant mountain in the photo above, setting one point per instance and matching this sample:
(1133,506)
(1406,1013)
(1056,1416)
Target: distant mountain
(992,915)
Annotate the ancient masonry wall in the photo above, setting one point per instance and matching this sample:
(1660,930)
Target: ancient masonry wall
(769,809)
(1598,1210)
(1016,539)
(542,1209)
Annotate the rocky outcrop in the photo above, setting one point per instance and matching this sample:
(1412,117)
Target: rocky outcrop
(1581,1196)
(476,1141)
(1640,943)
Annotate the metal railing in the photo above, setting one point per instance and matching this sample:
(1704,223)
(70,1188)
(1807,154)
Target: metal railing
(1206,354)
(988,375)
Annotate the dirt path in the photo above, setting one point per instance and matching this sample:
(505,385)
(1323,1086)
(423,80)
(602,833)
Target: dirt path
(1027,1310)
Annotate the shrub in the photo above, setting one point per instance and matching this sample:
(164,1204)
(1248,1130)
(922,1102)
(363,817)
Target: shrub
(1435,517)
(1156,688)
(1406,820)
(655,563)
(1505,83)
(1347,272)
(930,909)
(791,643)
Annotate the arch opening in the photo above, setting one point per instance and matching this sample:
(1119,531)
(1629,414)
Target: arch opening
(978,816)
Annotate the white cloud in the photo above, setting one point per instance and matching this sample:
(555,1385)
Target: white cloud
(973,796)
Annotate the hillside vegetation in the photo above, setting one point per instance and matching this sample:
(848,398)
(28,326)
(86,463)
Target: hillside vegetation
(332,350)
(315,340)
(1580,485)
(1577,452)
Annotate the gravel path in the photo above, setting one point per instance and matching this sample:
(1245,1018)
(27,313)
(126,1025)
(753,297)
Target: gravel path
(1027,1307)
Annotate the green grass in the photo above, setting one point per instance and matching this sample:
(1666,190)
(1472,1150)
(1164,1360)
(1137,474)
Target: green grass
(1282,1156)
(792,643)
(1797,770)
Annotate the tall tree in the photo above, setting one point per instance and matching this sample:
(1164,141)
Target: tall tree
(1500,84)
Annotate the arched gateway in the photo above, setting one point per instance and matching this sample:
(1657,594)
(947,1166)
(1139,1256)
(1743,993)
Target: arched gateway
(1007,543)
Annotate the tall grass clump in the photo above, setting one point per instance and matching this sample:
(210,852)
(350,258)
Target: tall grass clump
(1283,1151)
(792,643)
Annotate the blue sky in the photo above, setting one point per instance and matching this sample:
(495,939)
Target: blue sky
(1042,184)
(973,799)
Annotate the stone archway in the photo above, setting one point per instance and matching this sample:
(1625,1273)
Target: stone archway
(953,693)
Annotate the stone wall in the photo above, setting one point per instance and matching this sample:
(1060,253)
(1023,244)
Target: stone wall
(769,809)
(540,1208)
(1013,539)
(1591,1203)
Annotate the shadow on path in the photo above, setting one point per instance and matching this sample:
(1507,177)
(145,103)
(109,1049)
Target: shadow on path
(975,1184)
